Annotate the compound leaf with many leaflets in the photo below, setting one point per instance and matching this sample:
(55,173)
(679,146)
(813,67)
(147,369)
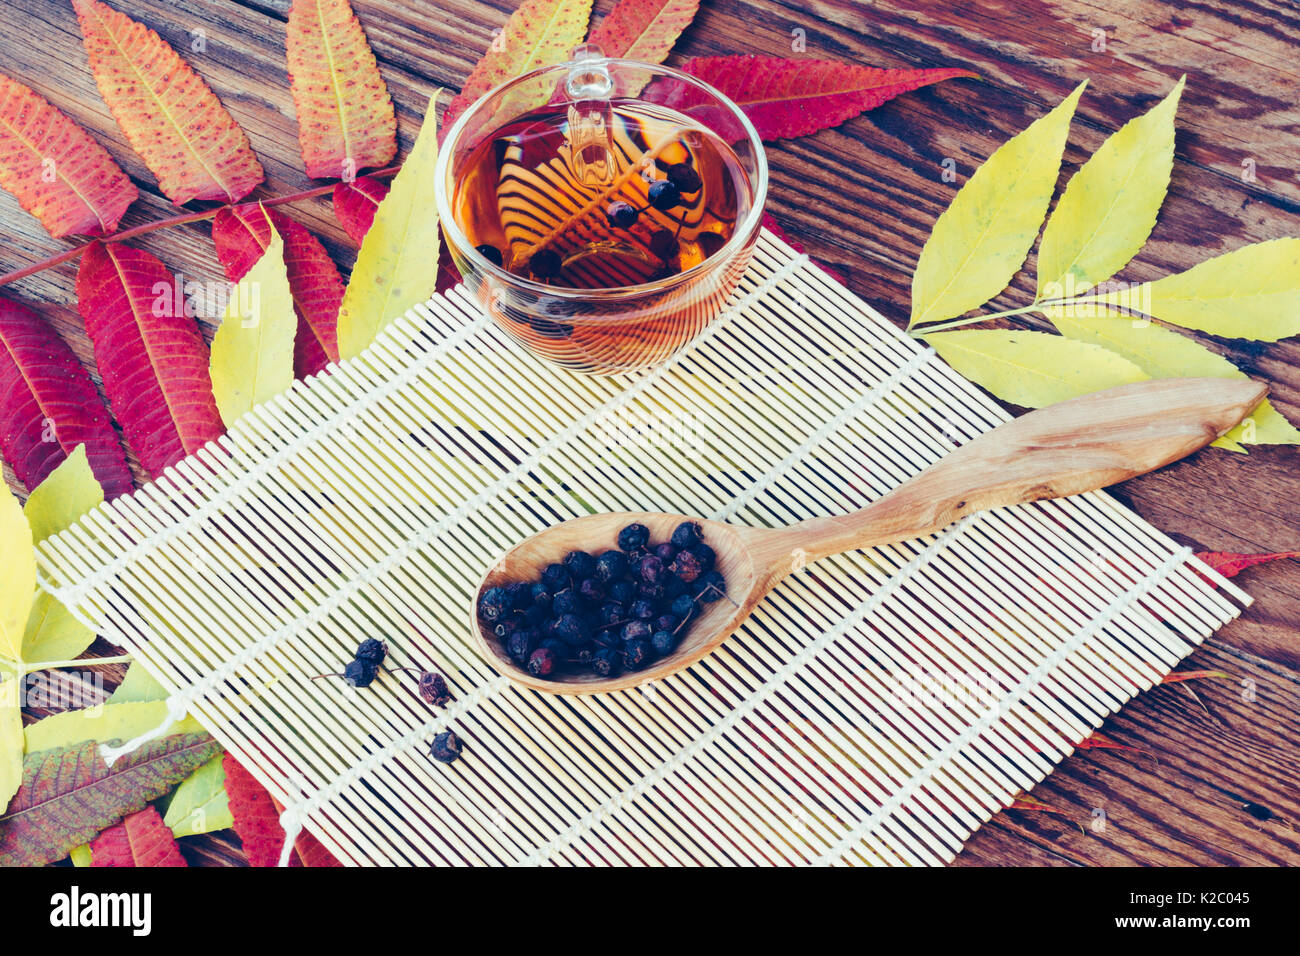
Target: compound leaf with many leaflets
(169,115)
(149,351)
(58,172)
(786,98)
(345,115)
(1230,564)
(980,241)
(69,795)
(1033,369)
(1110,205)
(397,266)
(141,839)
(49,405)
(242,235)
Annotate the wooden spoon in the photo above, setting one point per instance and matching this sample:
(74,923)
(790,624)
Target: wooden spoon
(1066,449)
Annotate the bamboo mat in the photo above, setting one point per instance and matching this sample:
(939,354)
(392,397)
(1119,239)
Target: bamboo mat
(876,709)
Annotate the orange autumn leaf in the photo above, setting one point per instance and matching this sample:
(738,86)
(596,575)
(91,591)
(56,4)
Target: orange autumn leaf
(1024,803)
(171,118)
(59,174)
(1177,677)
(539,33)
(345,116)
(643,30)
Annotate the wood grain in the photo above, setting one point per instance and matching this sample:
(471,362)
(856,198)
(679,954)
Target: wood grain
(864,197)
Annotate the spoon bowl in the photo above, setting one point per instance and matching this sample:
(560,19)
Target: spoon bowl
(1065,449)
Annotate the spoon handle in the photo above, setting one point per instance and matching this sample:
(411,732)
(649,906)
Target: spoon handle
(1065,449)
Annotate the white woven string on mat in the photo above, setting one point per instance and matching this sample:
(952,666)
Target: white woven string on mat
(788,745)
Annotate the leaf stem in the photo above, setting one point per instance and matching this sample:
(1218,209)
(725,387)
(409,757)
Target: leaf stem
(69,254)
(81,662)
(958,323)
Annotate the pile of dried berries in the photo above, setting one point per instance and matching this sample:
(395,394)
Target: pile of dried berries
(618,610)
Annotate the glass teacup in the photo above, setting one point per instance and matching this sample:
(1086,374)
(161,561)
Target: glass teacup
(602,210)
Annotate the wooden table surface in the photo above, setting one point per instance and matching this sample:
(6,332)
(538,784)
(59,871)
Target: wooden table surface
(1215,776)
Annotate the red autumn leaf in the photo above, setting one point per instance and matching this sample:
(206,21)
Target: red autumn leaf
(539,33)
(142,839)
(785,98)
(59,174)
(1230,565)
(355,204)
(1179,676)
(345,116)
(643,30)
(171,118)
(448,274)
(241,235)
(49,406)
(774,227)
(1102,742)
(152,358)
(257,822)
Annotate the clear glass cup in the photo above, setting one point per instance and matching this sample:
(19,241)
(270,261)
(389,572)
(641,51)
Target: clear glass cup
(538,165)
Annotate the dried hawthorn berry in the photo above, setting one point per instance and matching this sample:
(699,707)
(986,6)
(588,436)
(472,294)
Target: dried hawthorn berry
(566,602)
(556,577)
(372,650)
(491,253)
(687,534)
(607,662)
(584,654)
(360,672)
(666,622)
(665,552)
(610,613)
(633,537)
(545,264)
(572,629)
(712,587)
(518,595)
(684,177)
(655,593)
(663,195)
(541,595)
(663,642)
(492,604)
(710,242)
(580,564)
(591,590)
(687,566)
(624,592)
(651,569)
(642,610)
(509,624)
(635,631)
(434,689)
(537,614)
(446,747)
(542,662)
(520,644)
(674,587)
(622,215)
(683,606)
(708,557)
(636,654)
(611,566)
(663,245)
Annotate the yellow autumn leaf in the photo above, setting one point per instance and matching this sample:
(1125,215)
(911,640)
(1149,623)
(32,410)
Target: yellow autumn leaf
(102,723)
(18,583)
(252,352)
(1033,369)
(397,266)
(11,738)
(1110,205)
(1249,293)
(80,855)
(982,238)
(1163,353)
(67,493)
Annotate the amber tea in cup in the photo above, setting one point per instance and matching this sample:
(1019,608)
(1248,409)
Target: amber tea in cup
(607,222)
